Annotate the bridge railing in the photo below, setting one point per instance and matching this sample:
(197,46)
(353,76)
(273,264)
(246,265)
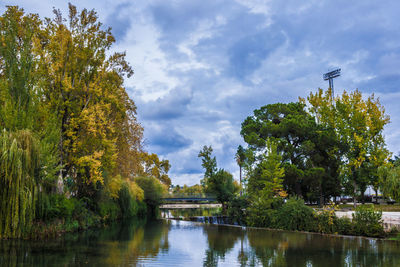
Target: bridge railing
(188,195)
(189,199)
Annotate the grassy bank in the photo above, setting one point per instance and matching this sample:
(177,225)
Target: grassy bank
(294,215)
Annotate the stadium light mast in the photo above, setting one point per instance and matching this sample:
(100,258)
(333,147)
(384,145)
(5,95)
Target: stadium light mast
(329,76)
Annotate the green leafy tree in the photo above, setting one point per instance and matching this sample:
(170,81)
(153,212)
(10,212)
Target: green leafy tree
(153,191)
(265,186)
(240,159)
(26,157)
(290,125)
(308,149)
(389,176)
(19,164)
(153,166)
(396,160)
(17,69)
(60,85)
(194,190)
(216,181)
(358,125)
(209,163)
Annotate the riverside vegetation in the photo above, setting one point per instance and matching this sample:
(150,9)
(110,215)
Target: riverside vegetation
(71,151)
(312,150)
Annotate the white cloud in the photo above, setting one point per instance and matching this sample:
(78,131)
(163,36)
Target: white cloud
(150,64)
(220,60)
(257,6)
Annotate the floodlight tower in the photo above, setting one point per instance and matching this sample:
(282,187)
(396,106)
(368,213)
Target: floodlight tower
(329,76)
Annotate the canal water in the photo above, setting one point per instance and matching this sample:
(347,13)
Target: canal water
(182,243)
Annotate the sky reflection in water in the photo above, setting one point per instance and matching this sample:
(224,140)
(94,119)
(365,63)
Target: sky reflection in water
(180,243)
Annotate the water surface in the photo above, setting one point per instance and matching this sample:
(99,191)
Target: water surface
(180,243)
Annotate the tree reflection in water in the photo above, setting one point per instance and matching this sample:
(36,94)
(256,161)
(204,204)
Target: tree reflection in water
(119,244)
(259,247)
(221,239)
(144,240)
(271,248)
(140,243)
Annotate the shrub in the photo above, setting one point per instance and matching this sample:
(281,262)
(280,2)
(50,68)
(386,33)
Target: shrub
(325,222)
(153,191)
(109,210)
(236,210)
(295,215)
(55,206)
(263,212)
(42,206)
(128,203)
(326,219)
(344,226)
(367,221)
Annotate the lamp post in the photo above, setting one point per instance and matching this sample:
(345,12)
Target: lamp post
(329,76)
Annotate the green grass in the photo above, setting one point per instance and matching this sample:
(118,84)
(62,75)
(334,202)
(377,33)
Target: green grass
(383,207)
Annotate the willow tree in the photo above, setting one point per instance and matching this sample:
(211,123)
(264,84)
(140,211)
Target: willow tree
(19,150)
(19,161)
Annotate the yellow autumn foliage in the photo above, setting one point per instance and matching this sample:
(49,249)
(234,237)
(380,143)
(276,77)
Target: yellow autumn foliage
(135,190)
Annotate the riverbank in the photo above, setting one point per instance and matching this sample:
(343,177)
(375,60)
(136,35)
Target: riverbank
(366,221)
(391,220)
(226,221)
(56,215)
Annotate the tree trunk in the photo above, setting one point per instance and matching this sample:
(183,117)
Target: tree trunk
(223,208)
(60,184)
(354,194)
(298,189)
(240,179)
(321,197)
(362,198)
(60,179)
(353,171)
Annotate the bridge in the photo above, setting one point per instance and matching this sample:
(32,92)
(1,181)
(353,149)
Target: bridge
(188,199)
(188,202)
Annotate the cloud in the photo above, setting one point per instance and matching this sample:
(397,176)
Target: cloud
(247,54)
(119,20)
(164,139)
(171,106)
(202,67)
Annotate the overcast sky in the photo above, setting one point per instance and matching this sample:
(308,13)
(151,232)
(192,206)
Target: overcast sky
(202,67)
